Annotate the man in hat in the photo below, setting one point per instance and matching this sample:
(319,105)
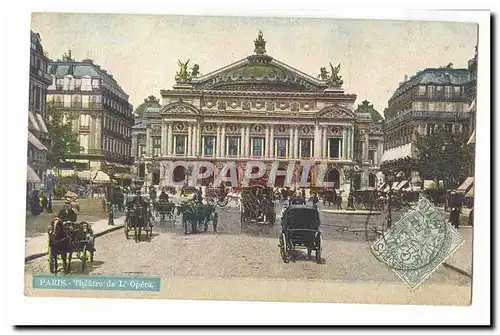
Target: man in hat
(67,214)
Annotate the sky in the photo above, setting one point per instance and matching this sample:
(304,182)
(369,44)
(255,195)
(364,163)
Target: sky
(141,51)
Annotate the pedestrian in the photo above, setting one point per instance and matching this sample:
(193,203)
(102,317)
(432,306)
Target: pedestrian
(455,217)
(471,217)
(35,203)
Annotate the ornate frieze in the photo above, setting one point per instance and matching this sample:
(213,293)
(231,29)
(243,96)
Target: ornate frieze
(307,105)
(306,130)
(257,129)
(258,104)
(221,105)
(295,107)
(283,105)
(335,130)
(179,127)
(270,106)
(156,129)
(232,128)
(209,128)
(246,105)
(281,129)
(235,104)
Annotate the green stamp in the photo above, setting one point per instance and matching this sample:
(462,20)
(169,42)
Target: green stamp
(418,244)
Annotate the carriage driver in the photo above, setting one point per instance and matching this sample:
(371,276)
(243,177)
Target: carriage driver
(67,214)
(163,196)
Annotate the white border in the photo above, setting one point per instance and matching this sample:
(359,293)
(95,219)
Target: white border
(22,310)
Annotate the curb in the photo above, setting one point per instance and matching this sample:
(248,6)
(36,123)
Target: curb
(344,212)
(42,254)
(454,268)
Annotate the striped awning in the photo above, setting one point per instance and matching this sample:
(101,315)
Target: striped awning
(472,106)
(470,194)
(466,185)
(381,186)
(400,185)
(36,142)
(472,139)
(31,176)
(41,123)
(33,124)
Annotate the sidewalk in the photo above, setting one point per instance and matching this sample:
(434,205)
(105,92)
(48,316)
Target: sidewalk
(462,259)
(36,247)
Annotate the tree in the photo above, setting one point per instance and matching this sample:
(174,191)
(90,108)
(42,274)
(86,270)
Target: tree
(444,155)
(64,141)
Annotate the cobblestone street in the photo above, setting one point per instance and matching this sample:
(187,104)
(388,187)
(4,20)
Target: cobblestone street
(253,253)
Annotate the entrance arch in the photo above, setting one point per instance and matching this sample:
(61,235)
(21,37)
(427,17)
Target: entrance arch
(179,174)
(372,180)
(333,176)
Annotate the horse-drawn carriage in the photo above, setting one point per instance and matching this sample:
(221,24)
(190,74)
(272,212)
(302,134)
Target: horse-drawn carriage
(165,210)
(66,239)
(198,214)
(257,205)
(138,218)
(330,197)
(300,229)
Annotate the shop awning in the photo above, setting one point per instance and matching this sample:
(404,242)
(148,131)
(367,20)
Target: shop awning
(472,106)
(33,124)
(466,185)
(400,185)
(31,176)
(470,194)
(381,186)
(472,139)
(41,123)
(101,177)
(403,151)
(36,142)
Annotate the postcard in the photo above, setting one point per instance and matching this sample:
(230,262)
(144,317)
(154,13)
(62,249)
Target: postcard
(251,158)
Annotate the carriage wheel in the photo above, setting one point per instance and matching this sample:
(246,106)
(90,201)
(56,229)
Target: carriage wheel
(283,248)
(318,250)
(127,227)
(215,221)
(223,202)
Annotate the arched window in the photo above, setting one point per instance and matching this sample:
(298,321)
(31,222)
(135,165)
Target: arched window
(333,176)
(372,180)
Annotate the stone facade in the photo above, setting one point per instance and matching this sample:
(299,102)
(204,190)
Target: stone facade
(257,108)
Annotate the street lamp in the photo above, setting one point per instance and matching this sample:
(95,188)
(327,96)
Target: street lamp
(349,174)
(391,177)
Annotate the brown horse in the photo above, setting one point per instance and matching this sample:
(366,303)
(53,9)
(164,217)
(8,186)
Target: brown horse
(60,243)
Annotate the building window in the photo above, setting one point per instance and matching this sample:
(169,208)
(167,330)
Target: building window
(456,91)
(371,156)
(232,144)
(457,128)
(431,106)
(95,83)
(281,147)
(430,91)
(257,144)
(334,148)
(448,91)
(208,145)
(142,150)
(421,90)
(430,129)
(305,148)
(180,144)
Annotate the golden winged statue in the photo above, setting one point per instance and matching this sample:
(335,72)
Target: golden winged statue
(182,74)
(335,79)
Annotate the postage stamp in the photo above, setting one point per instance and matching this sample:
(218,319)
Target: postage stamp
(418,244)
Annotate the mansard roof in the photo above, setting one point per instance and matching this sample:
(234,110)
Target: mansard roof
(259,72)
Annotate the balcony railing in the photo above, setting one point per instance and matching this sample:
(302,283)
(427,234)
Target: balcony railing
(433,115)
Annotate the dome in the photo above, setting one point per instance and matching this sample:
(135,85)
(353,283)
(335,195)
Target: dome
(151,101)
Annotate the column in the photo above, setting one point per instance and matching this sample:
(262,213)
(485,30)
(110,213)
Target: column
(223,141)
(290,147)
(248,142)
(241,142)
(189,140)
(217,142)
(198,141)
(266,143)
(163,138)
(317,142)
(344,144)
(351,142)
(170,139)
(324,143)
(148,141)
(296,143)
(271,143)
